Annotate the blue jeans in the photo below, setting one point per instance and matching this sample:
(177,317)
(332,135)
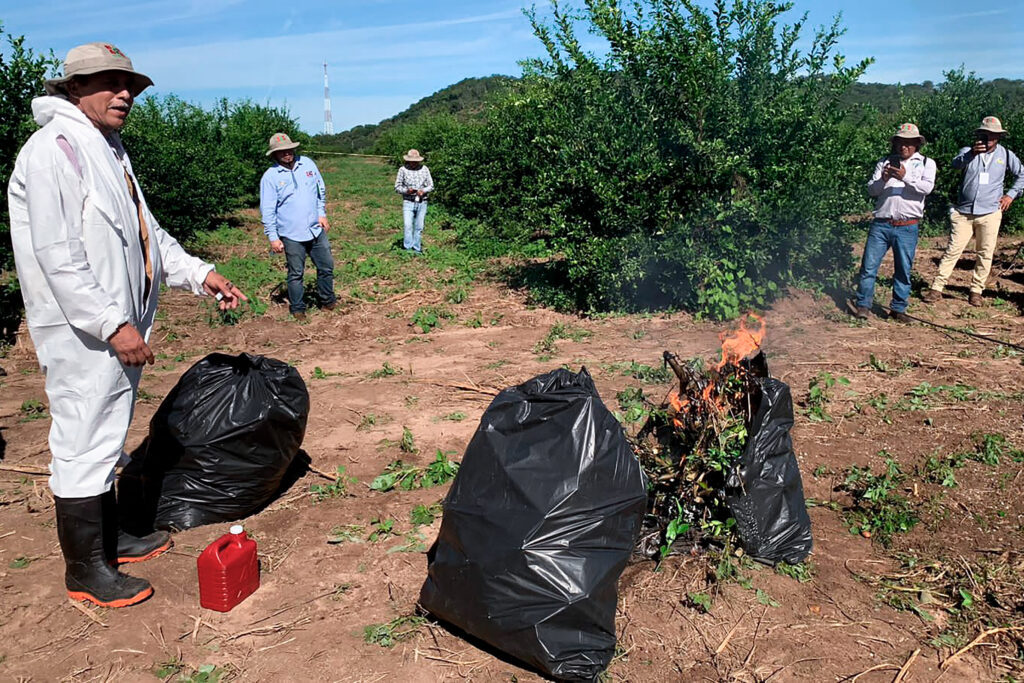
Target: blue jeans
(413,213)
(319,251)
(881,237)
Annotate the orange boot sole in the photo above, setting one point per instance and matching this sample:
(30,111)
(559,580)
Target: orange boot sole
(158,551)
(123,602)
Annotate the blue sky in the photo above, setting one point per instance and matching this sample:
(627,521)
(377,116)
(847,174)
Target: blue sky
(383,55)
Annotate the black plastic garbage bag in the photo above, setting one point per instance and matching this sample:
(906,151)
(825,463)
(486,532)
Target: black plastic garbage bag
(219,446)
(538,526)
(765,493)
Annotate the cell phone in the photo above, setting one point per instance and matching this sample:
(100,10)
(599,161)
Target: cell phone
(894,161)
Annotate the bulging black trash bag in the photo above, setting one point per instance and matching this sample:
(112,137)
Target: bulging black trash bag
(538,526)
(765,493)
(219,445)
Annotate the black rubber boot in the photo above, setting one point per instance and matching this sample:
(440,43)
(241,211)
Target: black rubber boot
(89,574)
(130,548)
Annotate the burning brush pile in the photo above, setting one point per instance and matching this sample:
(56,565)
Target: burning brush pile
(720,460)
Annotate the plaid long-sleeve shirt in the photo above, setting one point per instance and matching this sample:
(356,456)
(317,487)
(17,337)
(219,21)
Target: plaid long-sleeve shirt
(409,180)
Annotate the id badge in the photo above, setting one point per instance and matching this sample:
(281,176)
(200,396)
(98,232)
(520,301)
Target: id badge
(983,178)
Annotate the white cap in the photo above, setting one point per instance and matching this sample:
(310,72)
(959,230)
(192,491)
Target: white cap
(236,528)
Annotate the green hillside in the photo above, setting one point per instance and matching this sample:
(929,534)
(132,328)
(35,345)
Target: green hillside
(463,100)
(466,99)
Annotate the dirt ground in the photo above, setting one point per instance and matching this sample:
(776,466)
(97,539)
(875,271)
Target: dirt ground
(307,620)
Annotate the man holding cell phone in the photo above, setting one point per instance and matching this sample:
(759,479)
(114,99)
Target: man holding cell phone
(980,206)
(899,184)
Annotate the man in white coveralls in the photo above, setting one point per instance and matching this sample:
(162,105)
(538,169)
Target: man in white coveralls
(90,258)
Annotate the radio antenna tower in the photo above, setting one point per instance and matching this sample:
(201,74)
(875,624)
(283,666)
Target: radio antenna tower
(328,124)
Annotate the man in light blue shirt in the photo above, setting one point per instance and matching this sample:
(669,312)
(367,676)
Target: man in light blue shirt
(293,203)
(980,206)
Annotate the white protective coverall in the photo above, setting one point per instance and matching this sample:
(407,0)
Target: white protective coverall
(75,232)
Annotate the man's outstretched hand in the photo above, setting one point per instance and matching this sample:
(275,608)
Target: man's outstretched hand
(215,284)
(130,347)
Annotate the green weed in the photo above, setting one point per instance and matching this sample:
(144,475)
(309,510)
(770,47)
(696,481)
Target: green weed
(407,444)
(223,236)
(942,470)
(371,420)
(549,344)
(699,601)
(337,489)
(381,529)
(393,632)
(819,395)
(32,409)
(387,370)
(878,511)
(406,477)
(428,317)
(802,571)
(423,515)
(457,296)
(414,543)
(990,449)
(633,404)
(440,471)
(455,417)
(642,372)
(20,562)
(676,528)
(396,475)
(348,533)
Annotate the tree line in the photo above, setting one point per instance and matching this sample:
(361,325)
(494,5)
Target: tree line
(703,162)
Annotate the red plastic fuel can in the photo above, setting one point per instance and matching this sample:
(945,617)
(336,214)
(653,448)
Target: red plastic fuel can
(229,571)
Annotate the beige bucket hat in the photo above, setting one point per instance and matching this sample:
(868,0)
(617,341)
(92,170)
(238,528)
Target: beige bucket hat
(991,124)
(909,131)
(413,155)
(93,58)
(280,142)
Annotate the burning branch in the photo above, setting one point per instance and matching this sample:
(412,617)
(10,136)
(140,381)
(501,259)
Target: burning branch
(691,446)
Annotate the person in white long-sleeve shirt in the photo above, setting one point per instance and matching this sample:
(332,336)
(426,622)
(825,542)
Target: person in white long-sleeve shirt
(899,185)
(415,184)
(90,259)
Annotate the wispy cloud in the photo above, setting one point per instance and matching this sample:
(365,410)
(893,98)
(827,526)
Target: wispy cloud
(101,19)
(972,15)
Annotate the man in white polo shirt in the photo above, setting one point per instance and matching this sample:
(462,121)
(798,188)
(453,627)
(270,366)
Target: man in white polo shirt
(899,184)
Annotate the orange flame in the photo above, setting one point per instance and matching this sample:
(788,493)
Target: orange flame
(679,406)
(736,346)
(740,343)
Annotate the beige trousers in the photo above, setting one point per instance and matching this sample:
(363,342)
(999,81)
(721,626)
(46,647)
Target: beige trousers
(984,229)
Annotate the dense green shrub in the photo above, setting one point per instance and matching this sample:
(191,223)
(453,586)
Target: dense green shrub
(428,134)
(701,164)
(246,128)
(22,73)
(196,165)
